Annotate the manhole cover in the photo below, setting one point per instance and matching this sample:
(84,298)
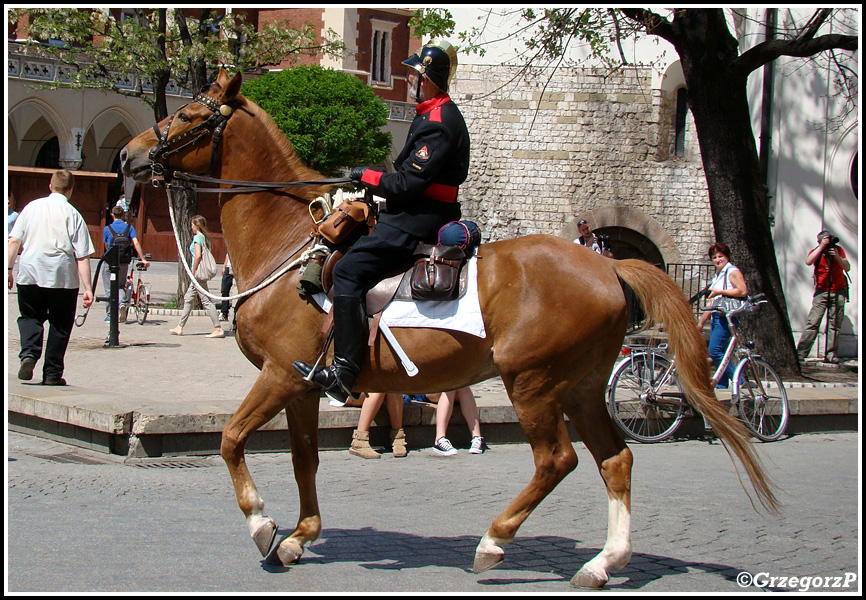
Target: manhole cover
(69,457)
(187,463)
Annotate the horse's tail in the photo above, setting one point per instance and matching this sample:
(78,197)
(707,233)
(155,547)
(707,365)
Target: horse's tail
(663,301)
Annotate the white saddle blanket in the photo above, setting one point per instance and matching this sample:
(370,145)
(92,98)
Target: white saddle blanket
(463,314)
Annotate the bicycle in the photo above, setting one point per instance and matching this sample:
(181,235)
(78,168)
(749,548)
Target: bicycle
(137,291)
(648,404)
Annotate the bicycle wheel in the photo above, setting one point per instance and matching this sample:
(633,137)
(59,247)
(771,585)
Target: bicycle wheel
(763,401)
(635,402)
(141,304)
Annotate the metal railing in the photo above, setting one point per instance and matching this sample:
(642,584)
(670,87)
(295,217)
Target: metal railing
(692,278)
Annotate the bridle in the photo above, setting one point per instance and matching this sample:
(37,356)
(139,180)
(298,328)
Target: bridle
(166,148)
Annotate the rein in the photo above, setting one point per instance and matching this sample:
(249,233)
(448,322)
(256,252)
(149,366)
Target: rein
(249,187)
(265,281)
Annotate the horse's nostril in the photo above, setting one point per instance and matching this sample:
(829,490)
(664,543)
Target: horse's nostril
(123,156)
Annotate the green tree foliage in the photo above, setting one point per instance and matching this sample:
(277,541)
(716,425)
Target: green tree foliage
(332,119)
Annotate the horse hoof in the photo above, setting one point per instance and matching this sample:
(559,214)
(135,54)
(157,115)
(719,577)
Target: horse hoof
(486,561)
(264,536)
(287,552)
(588,579)
(290,551)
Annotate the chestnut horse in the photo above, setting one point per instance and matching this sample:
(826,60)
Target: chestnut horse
(554,312)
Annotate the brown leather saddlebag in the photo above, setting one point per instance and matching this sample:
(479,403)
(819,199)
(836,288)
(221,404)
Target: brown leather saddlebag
(345,219)
(436,275)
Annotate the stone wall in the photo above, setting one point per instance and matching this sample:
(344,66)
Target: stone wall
(584,146)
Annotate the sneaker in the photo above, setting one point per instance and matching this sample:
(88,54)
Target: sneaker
(477,446)
(444,447)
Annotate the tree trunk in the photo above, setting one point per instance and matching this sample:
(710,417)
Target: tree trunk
(738,197)
(197,64)
(185,208)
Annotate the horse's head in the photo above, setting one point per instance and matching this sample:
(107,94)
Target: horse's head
(187,140)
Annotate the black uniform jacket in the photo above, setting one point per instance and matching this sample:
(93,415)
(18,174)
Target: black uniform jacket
(421,193)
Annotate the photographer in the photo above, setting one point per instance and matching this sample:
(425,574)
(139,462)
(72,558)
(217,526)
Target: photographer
(831,294)
(599,243)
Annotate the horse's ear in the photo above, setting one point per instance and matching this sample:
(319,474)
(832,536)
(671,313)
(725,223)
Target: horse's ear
(222,77)
(233,87)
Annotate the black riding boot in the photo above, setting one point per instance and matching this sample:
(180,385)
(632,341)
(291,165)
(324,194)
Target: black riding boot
(350,337)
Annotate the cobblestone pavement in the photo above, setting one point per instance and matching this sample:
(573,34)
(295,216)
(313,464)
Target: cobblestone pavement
(85,522)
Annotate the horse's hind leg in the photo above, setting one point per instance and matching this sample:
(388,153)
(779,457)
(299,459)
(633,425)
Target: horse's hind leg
(589,417)
(540,415)
(263,402)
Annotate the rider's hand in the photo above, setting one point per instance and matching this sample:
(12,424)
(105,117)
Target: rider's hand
(357,173)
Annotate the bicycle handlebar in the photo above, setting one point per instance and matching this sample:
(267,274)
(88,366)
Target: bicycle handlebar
(749,302)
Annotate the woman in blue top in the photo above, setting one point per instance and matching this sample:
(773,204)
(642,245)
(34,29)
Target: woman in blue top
(201,237)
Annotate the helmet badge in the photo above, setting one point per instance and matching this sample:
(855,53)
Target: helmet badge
(425,63)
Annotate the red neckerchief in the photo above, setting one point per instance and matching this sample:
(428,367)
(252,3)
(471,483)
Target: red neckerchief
(429,105)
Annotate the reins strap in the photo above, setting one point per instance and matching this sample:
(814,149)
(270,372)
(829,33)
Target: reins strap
(250,186)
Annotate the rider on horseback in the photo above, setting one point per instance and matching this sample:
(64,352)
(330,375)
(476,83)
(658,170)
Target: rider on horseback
(421,197)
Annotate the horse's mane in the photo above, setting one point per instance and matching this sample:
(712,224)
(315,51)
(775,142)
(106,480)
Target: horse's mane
(283,145)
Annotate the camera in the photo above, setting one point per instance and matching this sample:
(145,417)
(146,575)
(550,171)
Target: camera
(833,240)
(604,241)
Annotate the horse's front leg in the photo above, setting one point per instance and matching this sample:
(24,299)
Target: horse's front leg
(303,419)
(263,402)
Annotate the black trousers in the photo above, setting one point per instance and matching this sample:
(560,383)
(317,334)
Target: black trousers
(37,305)
(373,257)
(225,292)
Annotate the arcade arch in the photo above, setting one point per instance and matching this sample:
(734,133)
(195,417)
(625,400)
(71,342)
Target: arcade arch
(633,234)
(106,135)
(31,124)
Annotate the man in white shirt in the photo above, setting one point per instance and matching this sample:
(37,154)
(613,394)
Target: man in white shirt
(589,239)
(53,264)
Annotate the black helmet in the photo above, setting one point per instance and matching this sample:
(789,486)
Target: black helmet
(437,60)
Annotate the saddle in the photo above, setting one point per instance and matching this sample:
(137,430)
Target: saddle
(437,275)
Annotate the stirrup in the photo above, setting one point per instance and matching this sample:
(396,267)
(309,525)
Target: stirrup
(327,379)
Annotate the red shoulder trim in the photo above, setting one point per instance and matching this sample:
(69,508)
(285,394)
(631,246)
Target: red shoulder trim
(429,105)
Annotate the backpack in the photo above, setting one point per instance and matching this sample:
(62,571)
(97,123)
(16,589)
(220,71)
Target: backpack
(123,243)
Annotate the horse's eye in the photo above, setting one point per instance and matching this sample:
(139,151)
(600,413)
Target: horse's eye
(183,118)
